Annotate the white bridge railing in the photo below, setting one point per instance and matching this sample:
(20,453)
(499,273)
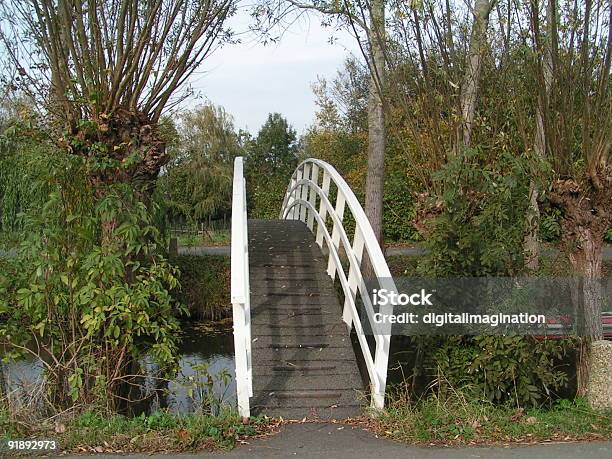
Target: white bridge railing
(241,304)
(308,199)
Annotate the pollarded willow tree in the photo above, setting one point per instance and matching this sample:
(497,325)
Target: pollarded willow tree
(101,73)
(104,71)
(573,74)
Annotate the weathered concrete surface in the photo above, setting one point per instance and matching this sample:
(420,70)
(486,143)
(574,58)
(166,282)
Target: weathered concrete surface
(599,389)
(327,441)
(303,360)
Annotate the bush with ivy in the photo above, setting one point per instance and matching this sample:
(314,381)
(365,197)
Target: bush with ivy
(88,293)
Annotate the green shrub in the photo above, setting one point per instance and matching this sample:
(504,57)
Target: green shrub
(480,233)
(550,224)
(205,284)
(265,196)
(22,180)
(88,292)
(519,369)
(481,229)
(399,211)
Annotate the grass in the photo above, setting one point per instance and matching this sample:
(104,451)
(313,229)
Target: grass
(457,421)
(159,432)
(208,238)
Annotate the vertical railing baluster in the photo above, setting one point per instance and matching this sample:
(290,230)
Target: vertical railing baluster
(340,203)
(289,198)
(312,199)
(358,243)
(305,192)
(322,207)
(295,212)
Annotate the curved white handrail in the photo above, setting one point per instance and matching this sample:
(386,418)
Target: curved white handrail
(241,304)
(300,203)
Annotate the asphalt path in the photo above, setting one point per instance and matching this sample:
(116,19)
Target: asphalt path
(333,441)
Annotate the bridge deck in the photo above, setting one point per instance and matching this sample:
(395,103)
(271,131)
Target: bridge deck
(303,360)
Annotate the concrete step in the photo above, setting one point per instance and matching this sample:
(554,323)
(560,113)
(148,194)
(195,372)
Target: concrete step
(306,398)
(287,274)
(291,286)
(288,308)
(313,309)
(303,368)
(301,330)
(301,341)
(298,310)
(305,340)
(286,258)
(326,301)
(266,270)
(266,355)
(295,252)
(293,265)
(278,292)
(282,382)
(285,248)
(315,413)
(261,323)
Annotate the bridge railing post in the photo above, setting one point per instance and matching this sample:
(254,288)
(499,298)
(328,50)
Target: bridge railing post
(358,244)
(290,197)
(296,211)
(312,199)
(381,360)
(339,210)
(323,207)
(305,189)
(240,297)
(247,302)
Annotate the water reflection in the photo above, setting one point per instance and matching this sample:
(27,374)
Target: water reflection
(206,373)
(201,354)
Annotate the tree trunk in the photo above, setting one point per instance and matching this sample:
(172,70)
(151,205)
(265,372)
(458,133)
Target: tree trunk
(469,88)
(586,217)
(587,261)
(531,245)
(376,121)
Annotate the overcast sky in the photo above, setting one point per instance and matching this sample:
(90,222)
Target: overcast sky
(251,80)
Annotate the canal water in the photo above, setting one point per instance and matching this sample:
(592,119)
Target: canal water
(204,382)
